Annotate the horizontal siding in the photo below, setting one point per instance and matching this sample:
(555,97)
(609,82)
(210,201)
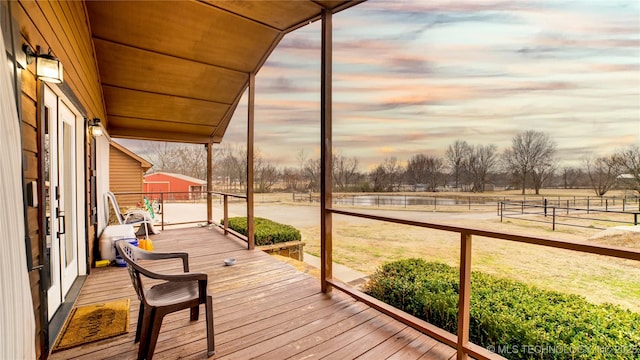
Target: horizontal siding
(125,175)
(48,24)
(63,27)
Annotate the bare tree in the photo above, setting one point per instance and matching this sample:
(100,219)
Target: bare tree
(312,174)
(291,178)
(302,157)
(602,172)
(531,152)
(345,171)
(386,176)
(230,166)
(456,155)
(541,173)
(628,163)
(266,174)
(186,159)
(422,169)
(480,162)
(571,177)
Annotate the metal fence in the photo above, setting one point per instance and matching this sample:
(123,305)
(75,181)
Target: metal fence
(556,214)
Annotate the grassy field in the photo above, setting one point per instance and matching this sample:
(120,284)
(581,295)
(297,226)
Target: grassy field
(365,245)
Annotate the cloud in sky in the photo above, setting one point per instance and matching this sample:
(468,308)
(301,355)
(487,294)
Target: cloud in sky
(414,76)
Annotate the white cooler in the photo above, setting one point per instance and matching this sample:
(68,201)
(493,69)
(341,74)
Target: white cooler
(110,234)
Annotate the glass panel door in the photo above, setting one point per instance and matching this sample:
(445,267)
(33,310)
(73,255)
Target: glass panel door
(68,178)
(52,195)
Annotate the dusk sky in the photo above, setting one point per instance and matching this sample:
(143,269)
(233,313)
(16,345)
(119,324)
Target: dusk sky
(412,77)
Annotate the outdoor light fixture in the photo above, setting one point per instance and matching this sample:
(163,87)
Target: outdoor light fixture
(95,128)
(48,67)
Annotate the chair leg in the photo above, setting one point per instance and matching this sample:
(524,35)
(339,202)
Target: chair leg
(195,313)
(147,323)
(140,320)
(209,313)
(155,332)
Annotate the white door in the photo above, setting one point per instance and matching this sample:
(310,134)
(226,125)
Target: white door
(68,201)
(60,198)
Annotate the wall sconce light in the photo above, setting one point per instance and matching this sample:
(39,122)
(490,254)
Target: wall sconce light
(95,128)
(48,67)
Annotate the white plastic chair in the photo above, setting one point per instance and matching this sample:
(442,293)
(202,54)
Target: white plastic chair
(131,217)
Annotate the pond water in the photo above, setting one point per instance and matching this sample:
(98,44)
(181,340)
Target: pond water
(402,200)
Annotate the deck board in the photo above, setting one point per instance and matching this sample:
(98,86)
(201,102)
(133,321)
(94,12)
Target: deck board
(263,309)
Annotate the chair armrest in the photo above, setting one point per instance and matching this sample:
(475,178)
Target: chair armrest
(142,213)
(148,255)
(195,276)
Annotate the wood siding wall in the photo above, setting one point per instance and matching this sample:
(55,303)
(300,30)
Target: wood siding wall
(125,175)
(63,27)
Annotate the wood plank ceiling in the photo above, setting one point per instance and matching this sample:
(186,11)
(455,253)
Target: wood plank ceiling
(175,70)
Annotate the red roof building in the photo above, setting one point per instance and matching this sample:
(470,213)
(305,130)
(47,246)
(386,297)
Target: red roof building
(175,186)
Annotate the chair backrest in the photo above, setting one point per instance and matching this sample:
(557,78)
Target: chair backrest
(128,254)
(111,198)
(131,254)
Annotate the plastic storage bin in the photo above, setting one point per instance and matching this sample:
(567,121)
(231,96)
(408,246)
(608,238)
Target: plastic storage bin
(110,234)
(119,260)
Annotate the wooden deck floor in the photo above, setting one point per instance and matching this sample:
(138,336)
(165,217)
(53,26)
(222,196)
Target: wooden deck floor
(263,309)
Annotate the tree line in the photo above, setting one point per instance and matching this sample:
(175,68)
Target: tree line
(529,163)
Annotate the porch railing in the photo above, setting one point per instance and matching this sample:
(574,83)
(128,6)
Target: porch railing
(159,199)
(461,340)
(225,219)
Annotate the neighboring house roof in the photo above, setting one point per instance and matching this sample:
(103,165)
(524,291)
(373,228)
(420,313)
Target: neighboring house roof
(180,176)
(143,163)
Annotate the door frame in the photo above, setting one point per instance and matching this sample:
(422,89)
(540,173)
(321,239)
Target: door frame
(56,296)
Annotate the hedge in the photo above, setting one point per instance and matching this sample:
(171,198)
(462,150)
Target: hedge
(266,232)
(516,320)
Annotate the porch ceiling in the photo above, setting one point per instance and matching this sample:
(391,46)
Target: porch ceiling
(175,70)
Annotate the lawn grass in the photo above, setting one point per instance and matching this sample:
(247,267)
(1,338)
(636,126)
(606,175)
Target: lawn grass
(365,245)
(601,279)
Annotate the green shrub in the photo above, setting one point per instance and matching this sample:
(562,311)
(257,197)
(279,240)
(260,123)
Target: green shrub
(507,315)
(267,232)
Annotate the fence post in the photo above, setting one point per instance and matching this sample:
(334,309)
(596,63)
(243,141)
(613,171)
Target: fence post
(469,202)
(554,219)
(405,201)
(635,219)
(162,214)
(545,207)
(567,207)
(588,202)
(226,214)
(501,210)
(606,205)
(624,202)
